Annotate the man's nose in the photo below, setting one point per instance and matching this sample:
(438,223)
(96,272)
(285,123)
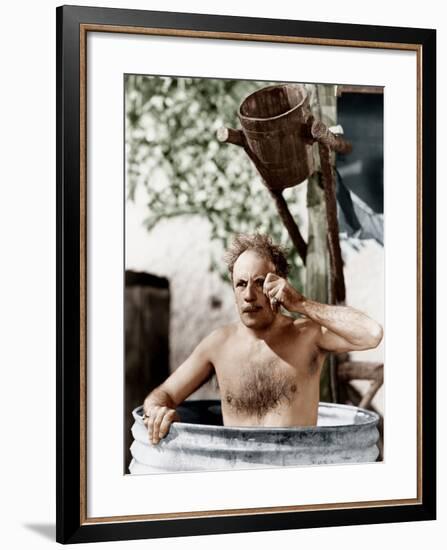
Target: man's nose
(250,294)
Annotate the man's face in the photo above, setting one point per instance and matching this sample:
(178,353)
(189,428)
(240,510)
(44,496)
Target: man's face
(249,273)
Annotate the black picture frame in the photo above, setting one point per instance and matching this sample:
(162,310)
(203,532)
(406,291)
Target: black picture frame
(72,525)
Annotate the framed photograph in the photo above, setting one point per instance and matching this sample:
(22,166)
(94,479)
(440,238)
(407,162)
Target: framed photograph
(245,276)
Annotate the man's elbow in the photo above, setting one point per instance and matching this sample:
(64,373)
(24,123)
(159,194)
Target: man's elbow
(375,336)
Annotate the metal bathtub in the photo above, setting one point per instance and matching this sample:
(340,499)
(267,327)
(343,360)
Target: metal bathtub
(344,434)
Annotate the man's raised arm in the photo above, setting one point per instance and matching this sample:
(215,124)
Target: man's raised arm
(159,406)
(342,328)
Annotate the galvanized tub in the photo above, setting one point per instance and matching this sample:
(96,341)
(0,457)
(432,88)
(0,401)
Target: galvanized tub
(344,434)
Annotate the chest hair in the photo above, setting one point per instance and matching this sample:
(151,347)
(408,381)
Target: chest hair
(261,388)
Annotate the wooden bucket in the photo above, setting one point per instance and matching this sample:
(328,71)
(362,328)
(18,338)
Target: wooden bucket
(274,121)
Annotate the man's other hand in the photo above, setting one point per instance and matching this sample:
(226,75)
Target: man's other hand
(158,419)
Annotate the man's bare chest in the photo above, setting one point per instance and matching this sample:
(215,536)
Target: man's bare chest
(255,379)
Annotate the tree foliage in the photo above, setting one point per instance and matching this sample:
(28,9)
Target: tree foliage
(173,152)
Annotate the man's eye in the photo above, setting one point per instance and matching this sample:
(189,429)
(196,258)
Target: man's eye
(241,283)
(260,282)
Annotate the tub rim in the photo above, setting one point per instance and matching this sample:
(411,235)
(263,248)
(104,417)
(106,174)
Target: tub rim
(371,420)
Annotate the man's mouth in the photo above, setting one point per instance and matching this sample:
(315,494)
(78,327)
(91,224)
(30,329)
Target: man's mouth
(251,309)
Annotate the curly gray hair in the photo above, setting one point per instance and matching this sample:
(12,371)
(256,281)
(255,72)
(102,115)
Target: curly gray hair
(262,245)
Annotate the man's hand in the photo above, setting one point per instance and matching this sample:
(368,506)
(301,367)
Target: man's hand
(281,292)
(159,406)
(157,419)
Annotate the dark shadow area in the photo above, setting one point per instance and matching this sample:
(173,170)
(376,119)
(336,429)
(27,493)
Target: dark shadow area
(46,530)
(361,116)
(206,411)
(147,303)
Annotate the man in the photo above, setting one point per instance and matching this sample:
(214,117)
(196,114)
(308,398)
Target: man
(267,364)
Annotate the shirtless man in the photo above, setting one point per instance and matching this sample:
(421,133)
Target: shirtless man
(267,364)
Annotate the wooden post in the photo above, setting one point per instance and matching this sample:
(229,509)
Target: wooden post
(323,104)
(317,265)
(337,279)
